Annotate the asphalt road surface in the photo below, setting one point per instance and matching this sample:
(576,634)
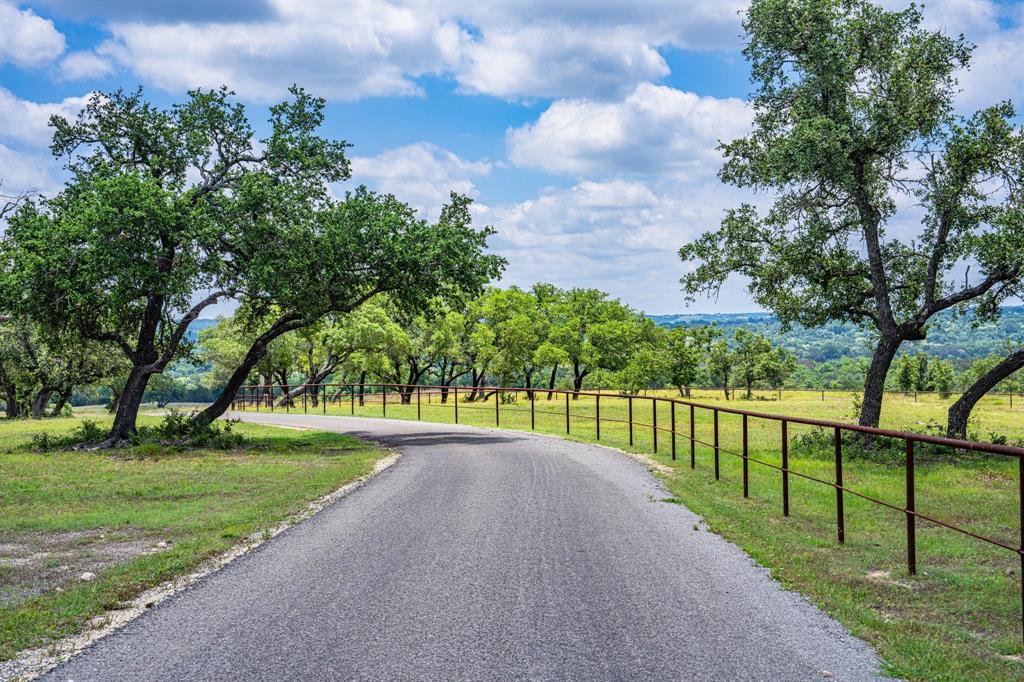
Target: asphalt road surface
(485,555)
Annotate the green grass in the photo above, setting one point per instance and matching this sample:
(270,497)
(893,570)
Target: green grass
(201,502)
(958,619)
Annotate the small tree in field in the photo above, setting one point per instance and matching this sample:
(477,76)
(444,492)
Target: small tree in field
(721,364)
(853,108)
(687,347)
(940,377)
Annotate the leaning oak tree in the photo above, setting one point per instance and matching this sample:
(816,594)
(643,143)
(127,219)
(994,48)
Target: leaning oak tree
(344,253)
(146,233)
(960,411)
(854,123)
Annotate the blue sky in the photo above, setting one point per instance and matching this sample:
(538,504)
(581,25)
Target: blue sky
(586,132)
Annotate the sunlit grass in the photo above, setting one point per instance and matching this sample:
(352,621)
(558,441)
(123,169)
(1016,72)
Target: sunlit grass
(201,502)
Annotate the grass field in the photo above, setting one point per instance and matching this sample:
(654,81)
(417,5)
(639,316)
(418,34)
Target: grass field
(64,513)
(958,619)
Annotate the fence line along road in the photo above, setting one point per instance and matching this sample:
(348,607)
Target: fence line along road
(718,391)
(315,396)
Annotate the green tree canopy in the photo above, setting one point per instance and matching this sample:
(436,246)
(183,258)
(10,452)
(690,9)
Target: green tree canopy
(853,108)
(158,218)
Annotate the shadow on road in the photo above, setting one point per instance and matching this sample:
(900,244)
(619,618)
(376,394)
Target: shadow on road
(429,438)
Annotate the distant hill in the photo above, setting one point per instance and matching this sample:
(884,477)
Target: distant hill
(197,326)
(955,338)
(948,337)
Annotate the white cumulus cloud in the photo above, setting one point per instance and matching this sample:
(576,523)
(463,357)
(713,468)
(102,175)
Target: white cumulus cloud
(620,236)
(29,122)
(655,130)
(27,172)
(348,51)
(421,174)
(26,39)
(342,51)
(84,64)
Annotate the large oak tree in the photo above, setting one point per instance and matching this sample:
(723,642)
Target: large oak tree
(170,210)
(854,120)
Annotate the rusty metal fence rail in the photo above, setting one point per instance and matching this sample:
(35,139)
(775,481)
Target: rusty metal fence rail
(317,397)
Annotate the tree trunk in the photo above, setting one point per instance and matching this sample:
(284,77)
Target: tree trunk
(310,386)
(284,324)
(11,399)
(128,403)
(960,411)
(362,388)
(551,382)
(874,382)
(39,403)
(285,399)
(62,400)
(577,380)
(476,380)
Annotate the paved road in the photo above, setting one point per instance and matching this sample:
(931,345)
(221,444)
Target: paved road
(485,555)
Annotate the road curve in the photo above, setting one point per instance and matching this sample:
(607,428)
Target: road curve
(485,555)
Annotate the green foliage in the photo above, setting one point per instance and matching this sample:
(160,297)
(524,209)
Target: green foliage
(161,203)
(687,348)
(853,108)
(179,428)
(941,377)
(648,367)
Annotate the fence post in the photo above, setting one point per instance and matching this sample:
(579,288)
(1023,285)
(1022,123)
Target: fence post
(597,420)
(654,423)
(384,399)
(673,404)
(785,468)
(693,442)
(911,519)
(715,411)
(456,398)
(839,486)
(746,461)
(497,414)
(1020,493)
(305,388)
(630,399)
(567,412)
(352,399)
(270,397)
(419,409)
(533,414)
(324,401)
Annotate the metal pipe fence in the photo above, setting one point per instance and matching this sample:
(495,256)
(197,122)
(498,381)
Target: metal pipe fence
(315,397)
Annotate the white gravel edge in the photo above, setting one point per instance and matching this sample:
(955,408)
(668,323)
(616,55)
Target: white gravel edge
(31,663)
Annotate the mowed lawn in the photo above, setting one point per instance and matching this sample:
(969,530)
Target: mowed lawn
(138,516)
(959,618)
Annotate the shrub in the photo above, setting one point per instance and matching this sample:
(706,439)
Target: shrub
(178,428)
(820,444)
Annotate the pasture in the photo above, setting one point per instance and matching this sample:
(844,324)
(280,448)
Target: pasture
(135,517)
